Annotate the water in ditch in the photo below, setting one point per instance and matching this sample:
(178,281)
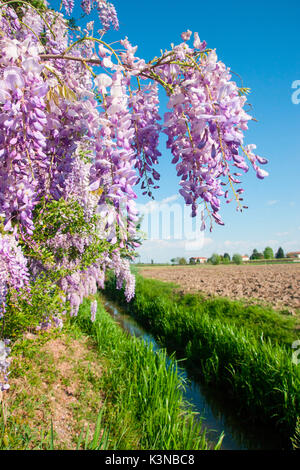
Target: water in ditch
(211,405)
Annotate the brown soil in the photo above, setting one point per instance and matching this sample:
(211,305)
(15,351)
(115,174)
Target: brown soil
(57,394)
(278,285)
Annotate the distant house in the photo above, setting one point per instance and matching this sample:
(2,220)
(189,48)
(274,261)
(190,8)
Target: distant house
(293,254)
(198,259)
(245,258)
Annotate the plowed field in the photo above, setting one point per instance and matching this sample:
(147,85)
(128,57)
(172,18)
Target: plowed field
(278,285)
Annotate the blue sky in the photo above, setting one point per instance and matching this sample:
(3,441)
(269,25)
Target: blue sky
(259,41)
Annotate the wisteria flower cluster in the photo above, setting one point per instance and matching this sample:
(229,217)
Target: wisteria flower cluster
(4,365)
(14,273)
(74,143)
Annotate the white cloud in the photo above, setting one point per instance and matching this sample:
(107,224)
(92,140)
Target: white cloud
(151,206)
(293,244)
(249,243)
(170,199)
(238,243)
(169,219)
(164,250)
(272,202)
(246,246)
(272,242)
(192,245)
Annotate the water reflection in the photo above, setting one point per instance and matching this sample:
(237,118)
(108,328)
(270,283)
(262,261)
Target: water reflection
(217,414)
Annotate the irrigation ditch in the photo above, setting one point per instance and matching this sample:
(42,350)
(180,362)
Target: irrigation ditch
(211,405)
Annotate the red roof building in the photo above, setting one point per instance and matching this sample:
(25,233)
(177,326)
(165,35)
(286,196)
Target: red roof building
(198,259)
(293,254)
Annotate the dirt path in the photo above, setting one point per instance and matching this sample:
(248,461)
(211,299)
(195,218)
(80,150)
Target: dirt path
(278,285)
(56,381)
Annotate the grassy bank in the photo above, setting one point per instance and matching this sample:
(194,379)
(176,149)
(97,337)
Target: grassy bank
(246,351)
(144,395)
(93,387)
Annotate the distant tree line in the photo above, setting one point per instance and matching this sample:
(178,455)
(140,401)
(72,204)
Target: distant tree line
(268,254)
(225,259)
(215,258)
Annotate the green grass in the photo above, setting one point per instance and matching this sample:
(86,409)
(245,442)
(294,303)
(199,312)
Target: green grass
(144,395)
(296,437)
(124,395)
(245,350)
(35,374)
(262,321)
